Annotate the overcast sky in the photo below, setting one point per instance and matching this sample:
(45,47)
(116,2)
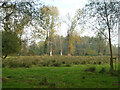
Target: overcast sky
(67,6)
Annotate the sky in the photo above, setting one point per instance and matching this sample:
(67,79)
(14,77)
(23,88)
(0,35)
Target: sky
(65,7)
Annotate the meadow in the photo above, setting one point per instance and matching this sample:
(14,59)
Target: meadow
(58,72)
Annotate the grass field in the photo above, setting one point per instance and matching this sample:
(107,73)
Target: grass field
(64,76)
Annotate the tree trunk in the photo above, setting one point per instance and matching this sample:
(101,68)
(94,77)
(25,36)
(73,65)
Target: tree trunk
(109,31)
(60,47)
(111,59)
(45,44)
(119,46)
(22,48)
(69,54)
(50,47)
(61,53)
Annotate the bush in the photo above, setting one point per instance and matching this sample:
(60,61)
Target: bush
(56,64)
(14,64)
(45,64)
(102,71)
(99,63)
(63,62)
(35,62)
(76,62)
(10,43)
(88,62)
(68,65)
(28,61)
(53,61)
(83,62)
(91,69)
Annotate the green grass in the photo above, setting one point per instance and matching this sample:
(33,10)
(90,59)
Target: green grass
(58,77)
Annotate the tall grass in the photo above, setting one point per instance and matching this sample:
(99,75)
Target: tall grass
(54,61)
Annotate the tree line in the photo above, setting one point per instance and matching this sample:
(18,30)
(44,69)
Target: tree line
(82,46)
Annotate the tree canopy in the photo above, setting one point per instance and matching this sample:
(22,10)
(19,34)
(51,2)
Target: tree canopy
(10,43)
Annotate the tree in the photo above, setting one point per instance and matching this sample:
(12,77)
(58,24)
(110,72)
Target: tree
(57,45)
(1,44)
(100,43)
(34,49)
(72,23)
(10,43)
(76,44)
(105,16)
(14,16)
(41,47)
(48,22)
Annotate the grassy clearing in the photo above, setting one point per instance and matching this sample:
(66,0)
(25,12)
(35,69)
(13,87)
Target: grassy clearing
(58,72)
(58,77)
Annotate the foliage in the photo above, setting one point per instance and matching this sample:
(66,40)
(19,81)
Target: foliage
(83,46)
(56,61)
(105,15)
(15,15)
(91,69)
(0,44)
(10,43)
(48,22)
(102,71)
(72,24)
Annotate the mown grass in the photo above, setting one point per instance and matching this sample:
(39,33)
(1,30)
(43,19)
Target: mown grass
(67,75)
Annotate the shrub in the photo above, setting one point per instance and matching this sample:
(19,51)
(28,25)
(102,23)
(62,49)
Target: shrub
(76,62)
(91,69)
(56,64)
(102,71)
(88,62)
(14,64)
(53,61)
(10,43)
(45,63)
(28,61)
(68,65)
(4,63)
(63,62)
(35,62)
(99,62)
(83,62)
